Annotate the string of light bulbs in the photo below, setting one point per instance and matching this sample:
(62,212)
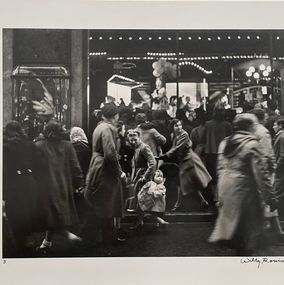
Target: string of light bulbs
(180,38)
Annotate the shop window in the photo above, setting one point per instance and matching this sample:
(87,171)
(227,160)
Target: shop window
(40,92)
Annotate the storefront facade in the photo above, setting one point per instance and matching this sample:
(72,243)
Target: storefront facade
(246,65)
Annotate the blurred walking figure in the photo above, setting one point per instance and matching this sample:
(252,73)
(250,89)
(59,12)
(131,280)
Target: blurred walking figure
(193,176)
(215,131)
(279,153)
(23,174)
(242,188)
(103,182)
(63,174)
(269,165)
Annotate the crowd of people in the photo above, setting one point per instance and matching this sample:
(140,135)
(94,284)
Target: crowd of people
(62,183)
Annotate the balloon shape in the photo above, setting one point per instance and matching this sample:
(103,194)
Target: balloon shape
(155,73)
(168,65)
(159,70)
(155,65)
(162,62)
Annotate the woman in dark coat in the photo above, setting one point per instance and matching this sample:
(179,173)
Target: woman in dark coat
(103,182)
(193,175)
(80,143)
(63,174)
(86,215)
(22,184)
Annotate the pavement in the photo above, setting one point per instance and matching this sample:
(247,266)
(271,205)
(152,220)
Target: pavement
(178,239)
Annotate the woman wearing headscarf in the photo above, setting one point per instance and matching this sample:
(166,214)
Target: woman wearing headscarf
(103,182)
(63,175)
(80,143)
(242,186)
(23,172)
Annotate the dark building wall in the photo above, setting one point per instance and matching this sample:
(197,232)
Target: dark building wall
(42,46)
(7,71)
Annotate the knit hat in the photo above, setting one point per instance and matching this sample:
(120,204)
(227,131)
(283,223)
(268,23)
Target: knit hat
(109,110)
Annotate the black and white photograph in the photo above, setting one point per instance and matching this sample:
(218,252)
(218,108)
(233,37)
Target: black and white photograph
(125,142)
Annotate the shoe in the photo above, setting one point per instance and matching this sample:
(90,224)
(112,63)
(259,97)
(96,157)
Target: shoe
(176,209)
(73,238)
(137,226)
(44,247)
(121,235)
(130,210)
(204,205)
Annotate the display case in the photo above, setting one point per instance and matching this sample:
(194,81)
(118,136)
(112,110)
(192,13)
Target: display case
(40,92)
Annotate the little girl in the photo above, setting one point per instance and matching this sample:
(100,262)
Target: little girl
(152,198)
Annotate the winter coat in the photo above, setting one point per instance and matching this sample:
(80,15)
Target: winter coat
(152,197)
(63,174)
(196,137)
(279,153)
(143,166)
(215,131)
(23,191)
(242,187)
(103,182)
(84,155)
(151,137)
(193,175)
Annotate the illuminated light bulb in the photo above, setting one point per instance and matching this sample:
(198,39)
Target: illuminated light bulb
(265,73)
(209,39)
(258,37)
(150,38)
(130,38)
(159,38)
(100,38)
(229,37)
(120,38)
(140,38)
(239,37)
(110,38)
(180,38)
(262,67)
(252,69)
(256,75)
(90,38)
(248,37)
(189,38)
(278,38)
(169,39)
(219,38)
(199,38)
(248,73)
(268,68)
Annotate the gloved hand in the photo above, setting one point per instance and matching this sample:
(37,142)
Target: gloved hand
(161,157)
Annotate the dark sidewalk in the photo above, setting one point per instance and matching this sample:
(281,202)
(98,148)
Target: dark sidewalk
(178,239)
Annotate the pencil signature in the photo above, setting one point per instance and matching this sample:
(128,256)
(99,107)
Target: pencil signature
(261,260)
